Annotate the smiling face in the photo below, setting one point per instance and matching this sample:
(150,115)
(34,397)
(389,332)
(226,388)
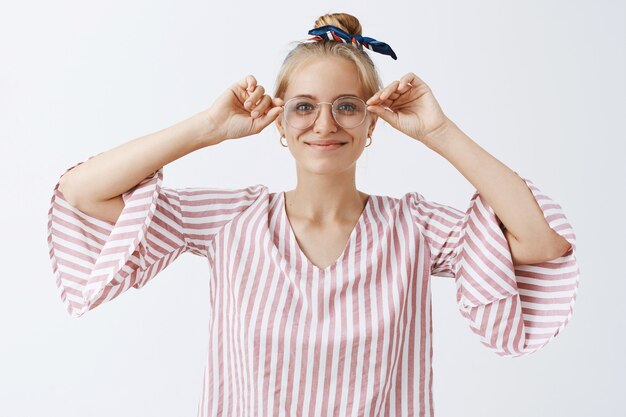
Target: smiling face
(325,79)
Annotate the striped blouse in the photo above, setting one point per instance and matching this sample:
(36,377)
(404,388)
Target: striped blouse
(287,338)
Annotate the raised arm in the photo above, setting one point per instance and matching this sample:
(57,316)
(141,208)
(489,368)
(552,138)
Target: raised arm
(408,105)
(515,309)
(112,226)
(511,253)
(96,185)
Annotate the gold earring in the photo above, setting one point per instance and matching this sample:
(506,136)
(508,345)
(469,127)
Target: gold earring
(370,138)
(281,142)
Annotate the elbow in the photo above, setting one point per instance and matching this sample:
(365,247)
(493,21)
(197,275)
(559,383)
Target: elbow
(528,254)
(63,183)
(560,247)
(67,190)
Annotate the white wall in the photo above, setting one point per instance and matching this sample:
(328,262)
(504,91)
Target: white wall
(539,84)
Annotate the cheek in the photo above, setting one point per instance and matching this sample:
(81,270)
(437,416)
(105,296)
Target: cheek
(293,135)
(360,133)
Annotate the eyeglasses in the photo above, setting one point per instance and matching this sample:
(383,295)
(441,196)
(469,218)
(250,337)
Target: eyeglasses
(348,111)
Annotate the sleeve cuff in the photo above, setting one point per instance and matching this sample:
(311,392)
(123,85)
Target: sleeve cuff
(94,260)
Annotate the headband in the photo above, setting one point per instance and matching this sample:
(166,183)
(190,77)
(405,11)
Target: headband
(334,33)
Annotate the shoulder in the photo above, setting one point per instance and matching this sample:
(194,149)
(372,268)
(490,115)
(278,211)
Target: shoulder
(416,205)
(251,190)
(393,206)
(410,197)
(223,196)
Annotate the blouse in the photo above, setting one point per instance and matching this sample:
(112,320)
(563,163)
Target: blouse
(288,338)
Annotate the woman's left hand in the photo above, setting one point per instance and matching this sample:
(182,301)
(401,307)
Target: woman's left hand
(409,106)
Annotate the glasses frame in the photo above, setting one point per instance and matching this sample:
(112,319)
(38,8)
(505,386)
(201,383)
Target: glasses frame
(317,111)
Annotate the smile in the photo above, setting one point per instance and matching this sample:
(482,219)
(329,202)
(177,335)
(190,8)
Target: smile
(326,147)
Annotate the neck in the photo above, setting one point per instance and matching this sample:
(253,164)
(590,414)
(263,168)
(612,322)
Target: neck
(326,198)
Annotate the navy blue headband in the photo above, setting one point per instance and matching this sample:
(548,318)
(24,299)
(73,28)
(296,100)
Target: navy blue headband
(334,33)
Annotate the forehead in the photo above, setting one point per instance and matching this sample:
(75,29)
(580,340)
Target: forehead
(325,79)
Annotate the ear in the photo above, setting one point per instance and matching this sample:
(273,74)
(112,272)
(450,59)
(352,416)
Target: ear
(372,125)
(279,125)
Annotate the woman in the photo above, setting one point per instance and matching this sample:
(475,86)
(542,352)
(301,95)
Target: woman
(320,295)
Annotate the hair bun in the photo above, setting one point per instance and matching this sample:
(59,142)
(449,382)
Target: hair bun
(343,21)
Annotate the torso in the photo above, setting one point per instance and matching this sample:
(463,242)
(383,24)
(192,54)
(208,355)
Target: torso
(323,244)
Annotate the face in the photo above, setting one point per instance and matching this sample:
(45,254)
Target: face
(325,80)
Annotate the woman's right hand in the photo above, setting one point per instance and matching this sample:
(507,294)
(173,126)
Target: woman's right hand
(242,110)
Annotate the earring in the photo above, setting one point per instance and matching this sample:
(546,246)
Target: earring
(370,142)
(281,142)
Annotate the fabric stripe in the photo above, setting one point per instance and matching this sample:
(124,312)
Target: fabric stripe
(287,337)
(504,304)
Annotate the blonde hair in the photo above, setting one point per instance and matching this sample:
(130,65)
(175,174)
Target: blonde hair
(368,74)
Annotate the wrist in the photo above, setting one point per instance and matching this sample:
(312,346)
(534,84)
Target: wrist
(438,137)
(208,134)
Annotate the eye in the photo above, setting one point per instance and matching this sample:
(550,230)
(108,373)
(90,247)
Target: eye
(303,106)
(347,107)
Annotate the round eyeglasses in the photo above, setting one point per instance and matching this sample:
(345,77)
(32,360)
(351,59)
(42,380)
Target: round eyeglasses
(348,111)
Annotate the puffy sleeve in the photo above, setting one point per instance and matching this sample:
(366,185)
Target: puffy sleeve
(514,309)
(94,261)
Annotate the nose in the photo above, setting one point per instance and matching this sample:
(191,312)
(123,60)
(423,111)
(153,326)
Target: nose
(325,121)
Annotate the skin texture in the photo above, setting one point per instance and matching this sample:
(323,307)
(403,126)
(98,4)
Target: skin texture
(409,105)
(326,182)
(325,205)
(326,191)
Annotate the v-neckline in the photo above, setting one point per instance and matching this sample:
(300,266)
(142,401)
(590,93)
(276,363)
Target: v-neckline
(354,234)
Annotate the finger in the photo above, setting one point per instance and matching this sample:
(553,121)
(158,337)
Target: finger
(374,99)
(248,82)
(261,106)
(251,82)
(414,79)
(263,121)
(254,98)
(404,86)
(405,81)
(244,87)
(379,97)
(387,91)
(410,80)
(386,114)
(386,103)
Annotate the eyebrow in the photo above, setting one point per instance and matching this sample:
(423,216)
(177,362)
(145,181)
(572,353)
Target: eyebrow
(334,98)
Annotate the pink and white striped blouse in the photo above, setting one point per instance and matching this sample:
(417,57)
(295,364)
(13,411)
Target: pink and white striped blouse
(288,338)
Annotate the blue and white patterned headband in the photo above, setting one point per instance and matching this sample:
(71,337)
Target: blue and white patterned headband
(330,32)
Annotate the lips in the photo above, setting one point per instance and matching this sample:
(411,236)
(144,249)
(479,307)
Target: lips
(324,142)
(325,148)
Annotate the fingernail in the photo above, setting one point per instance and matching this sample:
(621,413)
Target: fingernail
(255,113)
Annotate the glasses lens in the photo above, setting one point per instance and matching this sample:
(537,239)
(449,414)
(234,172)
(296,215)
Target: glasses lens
(300,112)
(349,111)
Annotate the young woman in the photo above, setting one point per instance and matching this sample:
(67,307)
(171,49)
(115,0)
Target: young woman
(320,295)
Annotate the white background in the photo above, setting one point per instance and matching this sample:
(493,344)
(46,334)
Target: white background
(538,84)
